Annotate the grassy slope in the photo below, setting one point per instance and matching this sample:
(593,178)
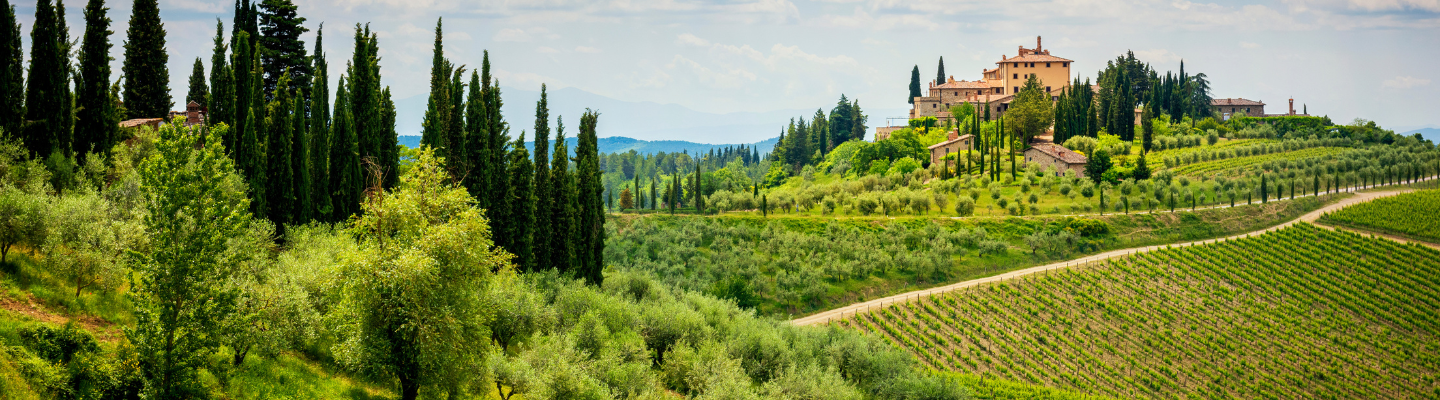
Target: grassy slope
(1304,312)
(29,296)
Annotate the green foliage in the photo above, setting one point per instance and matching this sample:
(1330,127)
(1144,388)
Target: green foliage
(1414,215)
(1096,165)
(179,286)
(282,50)
(97,117)
(47,94)
(1032,111)
(12,73)
(22,220)
(147,79)
(413,306)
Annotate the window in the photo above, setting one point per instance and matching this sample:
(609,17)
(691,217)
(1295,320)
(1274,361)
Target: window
(1047,65)
(1064,65)
(1015,76)
(1047,89)
(1017,89)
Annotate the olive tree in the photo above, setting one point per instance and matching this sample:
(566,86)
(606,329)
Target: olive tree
(413,293)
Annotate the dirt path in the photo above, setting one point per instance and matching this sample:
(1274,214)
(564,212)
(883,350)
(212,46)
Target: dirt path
(827,316)
(29,308)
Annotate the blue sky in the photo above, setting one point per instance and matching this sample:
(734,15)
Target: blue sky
(1374,59)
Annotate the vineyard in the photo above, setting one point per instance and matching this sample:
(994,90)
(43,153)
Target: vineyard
(1415,215)
(1234,166)
(1303,312)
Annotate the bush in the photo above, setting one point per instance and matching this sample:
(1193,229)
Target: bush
(965,206)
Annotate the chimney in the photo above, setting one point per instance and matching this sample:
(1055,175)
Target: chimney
(1037,44)
(952,79)
(1292,106)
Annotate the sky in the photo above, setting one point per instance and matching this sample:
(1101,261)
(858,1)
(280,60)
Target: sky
(1372,59)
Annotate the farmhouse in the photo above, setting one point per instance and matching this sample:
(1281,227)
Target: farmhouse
(954,144)
(996,87)
(1057,157)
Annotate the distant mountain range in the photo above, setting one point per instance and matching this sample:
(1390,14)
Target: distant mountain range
(1430,134)
(638,120)
(620,144)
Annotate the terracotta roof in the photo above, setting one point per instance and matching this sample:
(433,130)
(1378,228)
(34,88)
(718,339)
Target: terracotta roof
(1063,154)
(941,144)
(131,123)
(963,85)
(1235,102)
(1034,58)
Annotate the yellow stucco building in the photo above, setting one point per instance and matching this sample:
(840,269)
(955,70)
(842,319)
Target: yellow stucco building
(997,86)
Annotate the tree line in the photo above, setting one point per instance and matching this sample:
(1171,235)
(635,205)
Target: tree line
(1125,83)
(803,143)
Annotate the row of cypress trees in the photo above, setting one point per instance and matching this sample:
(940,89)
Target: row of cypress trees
(1125,83)
(540,210)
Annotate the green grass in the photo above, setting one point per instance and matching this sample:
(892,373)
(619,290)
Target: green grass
(1414,215)
(1302,312)
(23,275)
(289,377)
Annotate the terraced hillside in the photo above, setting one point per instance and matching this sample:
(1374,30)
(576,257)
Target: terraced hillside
(1303,312)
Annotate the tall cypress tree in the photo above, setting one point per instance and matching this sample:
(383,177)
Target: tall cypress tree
(914,85)
(198,91)
(499,132)
(389,139)
(521,221)
(477,143)
(280,188)
(940,72)
(222,88)
(542,236)
(457,160)
(562,207)
(590,228)
(319,132)
(249,149)
(437,111)
(12,72)
(242,71)
(97,126)
(147,79)
(304,209)
(45,95)
(346,180)
(283,51)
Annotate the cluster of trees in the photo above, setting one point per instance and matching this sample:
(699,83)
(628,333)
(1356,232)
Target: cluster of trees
(673,181)
(544,208)
(1124,84)
(804,143)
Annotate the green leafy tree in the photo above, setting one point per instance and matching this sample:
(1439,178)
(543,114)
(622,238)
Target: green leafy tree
(414,303)
(282,51)
(195,205)
(97,117)
(1031,112)
(1097,164)
(12,72)
(22,219)
(1142,168)
(147,79)
(87,241)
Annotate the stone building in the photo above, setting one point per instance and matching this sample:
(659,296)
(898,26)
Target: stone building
(1227,108)
(1057,157)
(997,86)
(953,144)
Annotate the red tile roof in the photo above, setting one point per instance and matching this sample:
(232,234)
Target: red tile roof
(963,85)
(1063,154)
(1235,102)
(938,145)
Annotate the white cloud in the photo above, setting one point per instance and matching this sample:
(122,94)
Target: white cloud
(1406,82)
(586,49)
(1249,45)
(729,79)
(692,40)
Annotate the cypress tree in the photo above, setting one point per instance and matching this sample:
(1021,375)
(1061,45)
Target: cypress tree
(544,199)
(389,139)
(147,79)
(591,225)
(283,51)
(97,126)
(477,145)
(304,209)
(280,188)
(457,160)
(246,20)
(198,91)
(498,131)
(242,70)
(562,207)
(12,73)
(914,85)
(940,72)
(48,83)
(319,132)
(1146,122)
(346,180)
(522,205)
(250,151)
(65,126)
(857,123)
(437,110)
(222,88)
